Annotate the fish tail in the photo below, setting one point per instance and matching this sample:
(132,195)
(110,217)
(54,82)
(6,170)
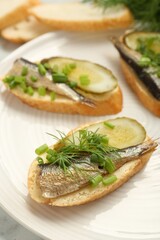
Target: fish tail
(87,101)
(150,144)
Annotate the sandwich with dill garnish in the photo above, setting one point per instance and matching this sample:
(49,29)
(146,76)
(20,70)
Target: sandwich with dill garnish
(89,162)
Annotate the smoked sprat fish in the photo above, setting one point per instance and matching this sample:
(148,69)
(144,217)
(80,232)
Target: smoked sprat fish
(89,162)
(146,75)
(46,81)
(54,181)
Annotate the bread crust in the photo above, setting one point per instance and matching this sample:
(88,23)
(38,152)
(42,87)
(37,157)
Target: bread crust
(25,30)
(88,24)
(17,14)
(86,194)
(139,88)
(110,104)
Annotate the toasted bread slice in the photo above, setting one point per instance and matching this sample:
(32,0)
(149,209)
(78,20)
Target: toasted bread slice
(89,193)
(25,30)
(111,103)
(82,17)
(125,131)
(14,11)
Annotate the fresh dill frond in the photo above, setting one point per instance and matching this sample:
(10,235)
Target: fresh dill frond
(62,135)
(78,146)
(146,13)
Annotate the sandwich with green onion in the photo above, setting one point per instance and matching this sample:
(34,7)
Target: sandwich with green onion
(140,61)
(65,85)
(89,162)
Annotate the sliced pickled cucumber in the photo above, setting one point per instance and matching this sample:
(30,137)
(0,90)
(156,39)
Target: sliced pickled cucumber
(121,132)
(88,76)
(126,132)
(132,40)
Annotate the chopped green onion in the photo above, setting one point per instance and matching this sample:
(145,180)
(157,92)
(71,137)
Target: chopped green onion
(33,78)
(96,180)
(109,180)
(8,79)
(30,91)
(53,96)
(23,86)
(12,84)
(110,125)
(109,165)
(47,66)
(41,69)
(72,84)
(51,155)
(51,151)
(40,160)
(105,140)
(42,91)
(19,79)
(68,68)
(72,65)
(144,61)
(59,77)
(84,80)
(55,68)
(42,149)
(50,158)
(24,71)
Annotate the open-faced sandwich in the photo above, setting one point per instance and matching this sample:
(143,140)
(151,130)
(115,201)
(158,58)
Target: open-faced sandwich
(79,16)
(65,85)
(14,11)
(140,60)
(89,162)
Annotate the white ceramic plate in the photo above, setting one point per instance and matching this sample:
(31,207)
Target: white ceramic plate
(132,212)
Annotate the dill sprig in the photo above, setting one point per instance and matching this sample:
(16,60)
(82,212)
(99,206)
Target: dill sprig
(82,144)
(145,12)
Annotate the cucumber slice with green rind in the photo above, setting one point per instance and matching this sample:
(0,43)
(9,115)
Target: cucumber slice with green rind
(98,78)
(125,132)
(132,40)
